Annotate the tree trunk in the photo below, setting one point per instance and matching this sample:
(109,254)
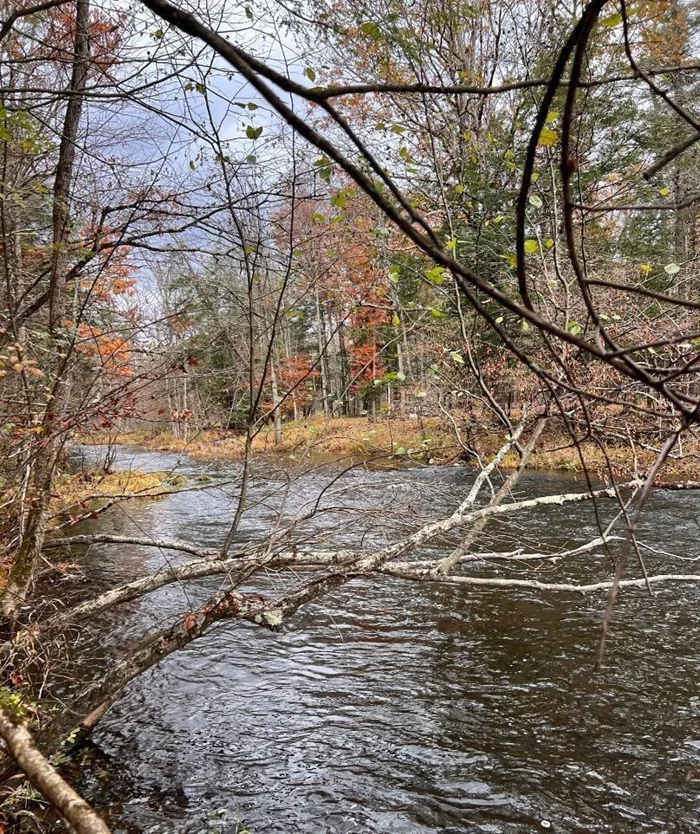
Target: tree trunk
(22,573)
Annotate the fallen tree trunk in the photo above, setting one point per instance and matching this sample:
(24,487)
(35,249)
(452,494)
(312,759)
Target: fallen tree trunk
(43,776)
(677,485)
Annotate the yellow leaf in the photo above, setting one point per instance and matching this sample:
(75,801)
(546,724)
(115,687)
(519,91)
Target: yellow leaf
(612,20)
(531,246)
(548,137)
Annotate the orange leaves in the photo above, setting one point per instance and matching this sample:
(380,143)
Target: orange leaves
(123,286)
(105,36)
(664,30)
(365,364)
(297,374)
(111,350)
(16,361)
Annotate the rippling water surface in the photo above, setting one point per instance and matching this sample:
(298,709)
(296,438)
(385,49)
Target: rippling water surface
(390,707)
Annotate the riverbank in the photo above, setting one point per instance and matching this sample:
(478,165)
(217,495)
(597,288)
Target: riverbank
(81,494)
(431,440)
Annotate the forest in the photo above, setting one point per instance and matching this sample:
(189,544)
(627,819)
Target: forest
(298,300)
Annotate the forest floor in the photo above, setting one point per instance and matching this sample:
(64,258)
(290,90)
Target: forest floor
(398,441)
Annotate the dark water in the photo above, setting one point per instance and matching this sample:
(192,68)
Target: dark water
(394,707)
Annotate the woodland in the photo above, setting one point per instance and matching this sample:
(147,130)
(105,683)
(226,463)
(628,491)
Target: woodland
(330,237)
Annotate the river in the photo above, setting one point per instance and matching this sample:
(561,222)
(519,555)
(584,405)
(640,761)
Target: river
(393,707)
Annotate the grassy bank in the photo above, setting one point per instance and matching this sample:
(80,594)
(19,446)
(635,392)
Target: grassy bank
(84,493)
(429,440)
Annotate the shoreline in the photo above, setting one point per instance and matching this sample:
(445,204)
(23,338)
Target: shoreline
(426,441)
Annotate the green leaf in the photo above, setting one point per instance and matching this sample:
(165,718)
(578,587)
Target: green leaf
(395,320)
(672,269)
(251,158)
(339,199)
(531,246)
(549,243)
(253,132)
(665,191)
(310,74)
(436,275)
(252,106)
(574,328)
(248,12)
(535,201)
(394,271)
(525,326)
(456,357)
(548,137)
(323,164)
(611,20)
(370,29)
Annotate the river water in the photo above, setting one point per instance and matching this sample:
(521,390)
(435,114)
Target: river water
(392,707)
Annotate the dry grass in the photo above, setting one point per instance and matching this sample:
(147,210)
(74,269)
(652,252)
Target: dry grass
(318,438)
(427,440)
(90,490)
